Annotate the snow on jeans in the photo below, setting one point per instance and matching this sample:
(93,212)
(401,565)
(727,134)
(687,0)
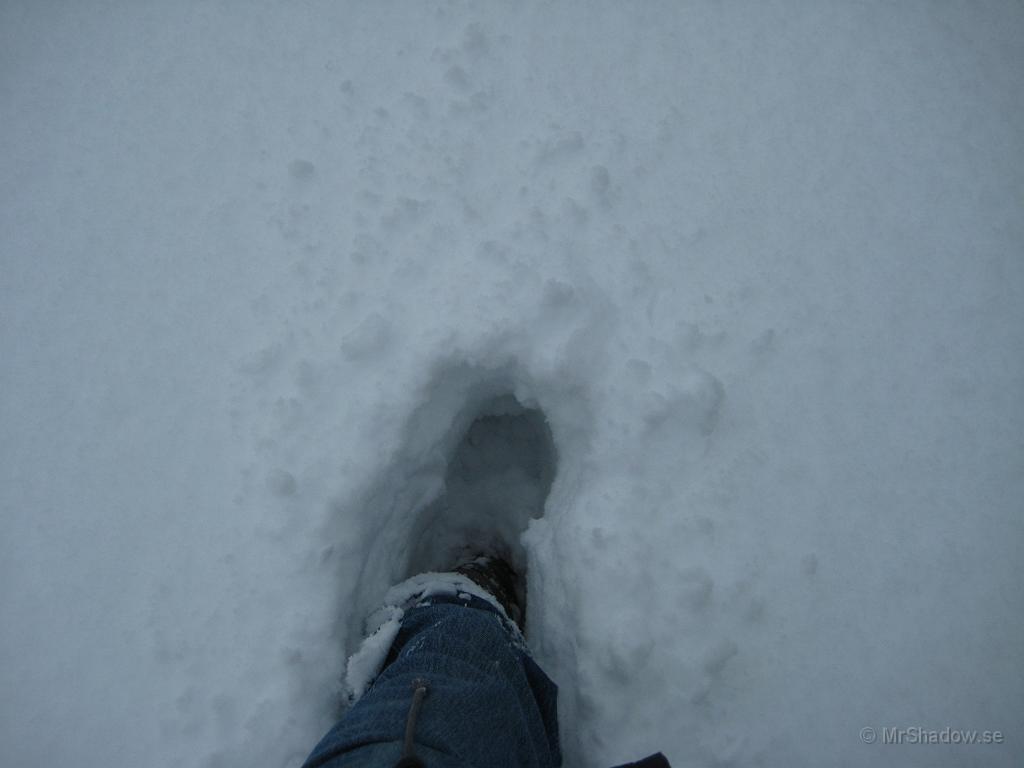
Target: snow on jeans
(483,700)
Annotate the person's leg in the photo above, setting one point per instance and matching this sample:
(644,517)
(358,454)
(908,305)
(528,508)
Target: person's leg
(482,701)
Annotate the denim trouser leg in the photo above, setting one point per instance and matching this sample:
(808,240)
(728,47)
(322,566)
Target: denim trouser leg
(487,702)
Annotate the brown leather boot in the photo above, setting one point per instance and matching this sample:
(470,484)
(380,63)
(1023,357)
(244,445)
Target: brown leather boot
(495,576)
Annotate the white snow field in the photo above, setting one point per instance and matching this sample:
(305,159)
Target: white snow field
(759,266)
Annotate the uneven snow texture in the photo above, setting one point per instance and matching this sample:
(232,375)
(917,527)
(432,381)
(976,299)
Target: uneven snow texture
(760,264)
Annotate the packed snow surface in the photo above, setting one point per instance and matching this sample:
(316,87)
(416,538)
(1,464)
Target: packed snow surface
(757,268)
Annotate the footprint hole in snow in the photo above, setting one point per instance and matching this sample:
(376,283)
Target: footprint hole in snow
(474,464)
(497,479)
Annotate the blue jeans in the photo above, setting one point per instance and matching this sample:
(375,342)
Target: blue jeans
(486,702)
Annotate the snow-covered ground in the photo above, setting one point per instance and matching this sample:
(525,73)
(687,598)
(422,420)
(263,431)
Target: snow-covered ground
(759,264)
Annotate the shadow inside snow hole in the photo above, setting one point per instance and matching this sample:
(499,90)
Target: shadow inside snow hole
(496,481)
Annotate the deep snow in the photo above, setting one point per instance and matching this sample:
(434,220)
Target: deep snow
(760,265)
